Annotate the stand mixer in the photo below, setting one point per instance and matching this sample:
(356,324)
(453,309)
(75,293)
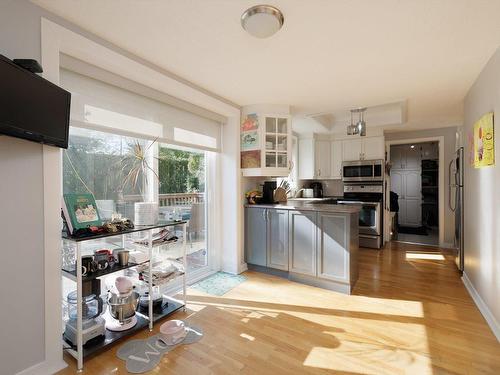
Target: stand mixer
(122,302)
(92,323)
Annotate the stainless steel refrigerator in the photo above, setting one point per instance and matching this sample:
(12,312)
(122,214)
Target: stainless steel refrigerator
(456,203)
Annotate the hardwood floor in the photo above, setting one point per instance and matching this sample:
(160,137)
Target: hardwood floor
(410,314)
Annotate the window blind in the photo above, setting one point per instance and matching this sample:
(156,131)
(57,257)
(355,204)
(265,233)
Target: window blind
(103,106)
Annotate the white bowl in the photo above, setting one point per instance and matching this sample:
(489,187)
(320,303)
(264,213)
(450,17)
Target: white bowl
(173,332)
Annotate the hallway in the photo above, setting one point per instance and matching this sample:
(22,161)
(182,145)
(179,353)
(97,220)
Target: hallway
(410,314)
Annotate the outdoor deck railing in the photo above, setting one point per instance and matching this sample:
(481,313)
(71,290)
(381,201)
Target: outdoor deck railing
(177,199)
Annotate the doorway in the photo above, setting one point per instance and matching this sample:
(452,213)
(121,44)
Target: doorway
(414,192)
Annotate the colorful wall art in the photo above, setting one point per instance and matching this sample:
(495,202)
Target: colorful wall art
(250,143)
(484,142)
(250,159)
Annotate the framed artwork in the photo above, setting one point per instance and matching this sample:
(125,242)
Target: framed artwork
(251,122)
(250,159)
(484,142)
(249,140)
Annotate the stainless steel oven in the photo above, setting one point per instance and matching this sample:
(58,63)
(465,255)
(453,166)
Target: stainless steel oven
(363,171)
(369,197)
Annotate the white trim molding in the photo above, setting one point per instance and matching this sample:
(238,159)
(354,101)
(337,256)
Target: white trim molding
(483,308)
(440,140)
(45,367)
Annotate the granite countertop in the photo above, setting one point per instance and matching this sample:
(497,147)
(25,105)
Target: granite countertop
(309,206)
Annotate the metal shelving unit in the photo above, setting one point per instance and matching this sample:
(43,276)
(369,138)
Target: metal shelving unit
(80,351)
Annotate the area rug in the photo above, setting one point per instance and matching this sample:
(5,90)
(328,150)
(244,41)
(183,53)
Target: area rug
(144,355)
(219,284)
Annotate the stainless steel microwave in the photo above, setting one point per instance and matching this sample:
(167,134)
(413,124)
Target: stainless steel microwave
(363,171)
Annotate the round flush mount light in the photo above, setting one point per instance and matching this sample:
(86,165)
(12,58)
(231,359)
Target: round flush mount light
(262,21)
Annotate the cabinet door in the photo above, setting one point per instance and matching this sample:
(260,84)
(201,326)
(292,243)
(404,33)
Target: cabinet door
(255,236)
(373,148)
(322,158)
(306,159)
(302,242)
(277,237)
(351,149)
(413,198)
(332,252)
(412,157)
(336,157)
(397,156)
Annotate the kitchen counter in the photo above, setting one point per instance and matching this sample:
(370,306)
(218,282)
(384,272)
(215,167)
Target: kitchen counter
(314,242)
(308,205)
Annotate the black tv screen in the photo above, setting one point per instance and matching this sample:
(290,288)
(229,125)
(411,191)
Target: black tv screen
(31,107)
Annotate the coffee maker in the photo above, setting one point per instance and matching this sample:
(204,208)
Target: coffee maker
(317,189)
(268,192)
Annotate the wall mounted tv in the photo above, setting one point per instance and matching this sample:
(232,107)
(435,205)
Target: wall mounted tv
(31,107)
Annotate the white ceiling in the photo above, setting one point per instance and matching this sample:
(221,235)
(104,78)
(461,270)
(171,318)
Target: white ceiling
(330,55)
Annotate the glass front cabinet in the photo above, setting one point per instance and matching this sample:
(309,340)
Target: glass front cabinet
(266,145)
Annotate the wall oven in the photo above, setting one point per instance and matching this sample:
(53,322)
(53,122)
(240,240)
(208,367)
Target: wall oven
(363,171)
(369,197)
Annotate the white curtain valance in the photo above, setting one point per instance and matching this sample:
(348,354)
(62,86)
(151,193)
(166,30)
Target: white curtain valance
(101,106)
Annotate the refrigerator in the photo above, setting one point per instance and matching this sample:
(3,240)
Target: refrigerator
(456,203)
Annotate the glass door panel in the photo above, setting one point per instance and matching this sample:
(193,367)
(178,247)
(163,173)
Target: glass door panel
(282,160)
(270,142)
(271,159)
(270,125)
(282,143)
(282,126)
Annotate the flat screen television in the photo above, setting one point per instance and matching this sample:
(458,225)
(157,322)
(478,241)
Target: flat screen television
(31,107)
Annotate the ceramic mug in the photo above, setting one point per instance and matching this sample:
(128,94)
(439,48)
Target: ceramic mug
(102,257)
(88,264)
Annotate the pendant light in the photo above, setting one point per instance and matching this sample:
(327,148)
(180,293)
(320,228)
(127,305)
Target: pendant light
(361,125)
(352,129)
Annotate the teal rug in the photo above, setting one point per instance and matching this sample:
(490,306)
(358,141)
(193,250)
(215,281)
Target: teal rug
(219,283)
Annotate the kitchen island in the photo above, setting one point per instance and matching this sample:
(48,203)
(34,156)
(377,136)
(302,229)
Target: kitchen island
(315,243)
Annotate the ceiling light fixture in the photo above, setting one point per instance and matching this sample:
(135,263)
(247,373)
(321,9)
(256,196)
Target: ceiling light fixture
(262,21)
(360,126)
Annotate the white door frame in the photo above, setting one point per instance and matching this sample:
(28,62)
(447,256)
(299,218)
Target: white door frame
(441,183)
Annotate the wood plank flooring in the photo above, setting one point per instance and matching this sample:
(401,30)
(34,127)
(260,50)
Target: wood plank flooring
(410,314)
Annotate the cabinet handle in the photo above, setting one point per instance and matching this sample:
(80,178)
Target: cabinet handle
(319,172)
(264,214)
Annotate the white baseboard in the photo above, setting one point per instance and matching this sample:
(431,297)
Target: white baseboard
(44,368)
(483,308)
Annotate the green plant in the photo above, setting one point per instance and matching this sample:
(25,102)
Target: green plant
(135,166)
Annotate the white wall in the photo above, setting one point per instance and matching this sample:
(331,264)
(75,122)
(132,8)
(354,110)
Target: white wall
(482,198)
(22,333)
(449,135)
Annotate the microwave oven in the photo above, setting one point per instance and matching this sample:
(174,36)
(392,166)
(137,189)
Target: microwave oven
(363,171)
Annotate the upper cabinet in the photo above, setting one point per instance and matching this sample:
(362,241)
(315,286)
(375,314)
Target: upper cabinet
(405,157)
(319,159)
(266,141)
(366,148)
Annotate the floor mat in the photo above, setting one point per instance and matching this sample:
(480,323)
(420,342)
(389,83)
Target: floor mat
(219,283)
(422,231)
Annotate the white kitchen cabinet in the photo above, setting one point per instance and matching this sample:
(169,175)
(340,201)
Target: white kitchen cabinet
(352,149)
(266,141)
(323,159)
(373,148)
(336,157)
(366,148)
(315,159)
